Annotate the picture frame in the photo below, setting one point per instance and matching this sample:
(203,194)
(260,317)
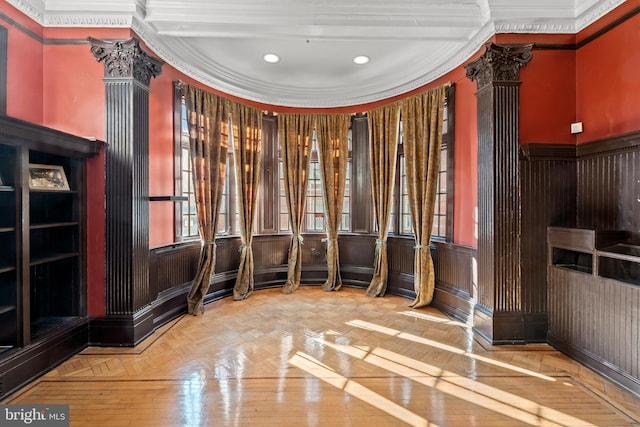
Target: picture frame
(47,177)
(1,181)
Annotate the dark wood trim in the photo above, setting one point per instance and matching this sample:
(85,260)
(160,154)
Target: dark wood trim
(533,151)
(499,284)
(598,364)
(604,30)
(454,289)
(122,330)
(40,138)
(609,27)
(9,20)
(609,144)
(361,212)
(269,207)
(177,159)
(451,144)
(168,198)
(554,46)
(23,365)
(453,302)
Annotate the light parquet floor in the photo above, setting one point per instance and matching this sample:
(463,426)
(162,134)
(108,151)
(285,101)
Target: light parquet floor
(327,359)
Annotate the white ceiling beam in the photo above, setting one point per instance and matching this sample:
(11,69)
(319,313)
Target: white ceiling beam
(318,31)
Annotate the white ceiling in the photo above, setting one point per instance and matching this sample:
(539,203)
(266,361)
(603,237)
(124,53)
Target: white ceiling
(410,42)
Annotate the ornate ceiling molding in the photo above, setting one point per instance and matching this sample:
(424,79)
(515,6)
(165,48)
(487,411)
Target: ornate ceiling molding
(186,59)
(593,14)
(32,8)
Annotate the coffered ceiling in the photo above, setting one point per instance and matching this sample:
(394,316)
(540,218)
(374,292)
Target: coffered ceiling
(221,43)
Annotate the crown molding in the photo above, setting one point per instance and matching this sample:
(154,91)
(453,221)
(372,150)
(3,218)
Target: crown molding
(132,14)
(34,9)
(592,14)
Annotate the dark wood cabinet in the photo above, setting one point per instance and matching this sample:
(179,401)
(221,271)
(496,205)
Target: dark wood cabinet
(42,251)
(593,281)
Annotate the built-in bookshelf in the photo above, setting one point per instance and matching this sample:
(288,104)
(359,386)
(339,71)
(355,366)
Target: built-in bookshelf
(42,248)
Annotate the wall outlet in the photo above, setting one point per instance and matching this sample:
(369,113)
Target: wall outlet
(576,127)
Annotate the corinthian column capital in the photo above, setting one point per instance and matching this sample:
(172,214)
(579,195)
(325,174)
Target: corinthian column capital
(499,63)
(125,58)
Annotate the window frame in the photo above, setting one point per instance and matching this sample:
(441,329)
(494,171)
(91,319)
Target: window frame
(448,144)
(231,210)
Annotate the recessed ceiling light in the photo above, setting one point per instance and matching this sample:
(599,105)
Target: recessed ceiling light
(272,58)
(361,59)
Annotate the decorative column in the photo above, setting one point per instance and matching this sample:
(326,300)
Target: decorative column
(498,312)
(128,71)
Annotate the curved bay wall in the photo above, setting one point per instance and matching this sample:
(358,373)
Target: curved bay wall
(172,267)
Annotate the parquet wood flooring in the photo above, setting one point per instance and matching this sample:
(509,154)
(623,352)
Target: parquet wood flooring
(327,359)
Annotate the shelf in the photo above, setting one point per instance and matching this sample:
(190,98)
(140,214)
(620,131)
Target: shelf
(574,267)
(583,239)
(7,188)
(45,191)
(52,257)
(6,308)
(7,268)
(621,251)
(7,229)
(602,254)
(168,198)
(54,225)
(620,262)
(43,325)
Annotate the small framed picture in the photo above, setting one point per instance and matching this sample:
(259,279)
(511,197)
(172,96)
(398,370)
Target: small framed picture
(47,177)
(1,181)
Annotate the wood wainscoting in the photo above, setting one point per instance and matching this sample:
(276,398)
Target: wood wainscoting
(172,268)
(593,319)
(456,280)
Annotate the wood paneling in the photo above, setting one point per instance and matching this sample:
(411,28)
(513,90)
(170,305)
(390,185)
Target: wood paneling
(173,265)
(548,190)
(455,279)
(608,190)
(499,201)
(270,251)
(593,319)
(361,216)
(597,321)
(269,200)
(127,195)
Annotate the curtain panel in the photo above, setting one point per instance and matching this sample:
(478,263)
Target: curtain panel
(247,143)
(384,123)
(208,119)
(422,117)
(332,131)
(295,133)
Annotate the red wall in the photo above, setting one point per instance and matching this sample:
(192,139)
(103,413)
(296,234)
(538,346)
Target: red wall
(465,217)
(607,82)
(161,182)
(24,67)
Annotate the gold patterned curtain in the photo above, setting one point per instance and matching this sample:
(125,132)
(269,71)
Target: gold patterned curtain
(247,143)
(384,125)
(208,119)
(422,126)
(332,131)
(295,133)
